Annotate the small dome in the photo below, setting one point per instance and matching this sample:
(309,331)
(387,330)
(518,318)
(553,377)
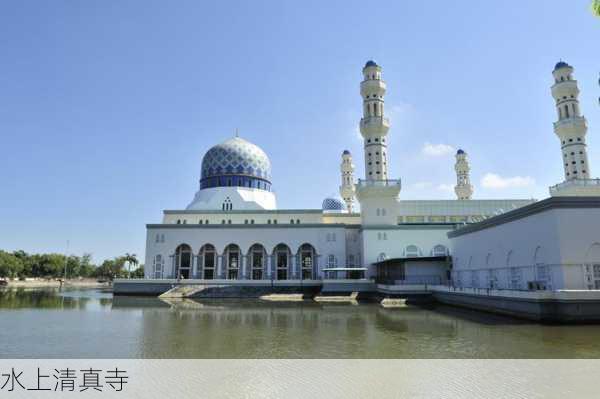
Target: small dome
(346,152)
(236,162)
(561,64)
(333,204)
(459,152)
(370,63)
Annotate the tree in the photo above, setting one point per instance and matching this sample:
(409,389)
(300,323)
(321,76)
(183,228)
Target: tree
(10,265)
(131,259)
(138,273)
(596,7)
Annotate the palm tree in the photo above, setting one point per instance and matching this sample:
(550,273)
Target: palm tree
(131,259)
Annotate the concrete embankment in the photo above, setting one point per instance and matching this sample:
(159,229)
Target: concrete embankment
(563,306)
(543,306)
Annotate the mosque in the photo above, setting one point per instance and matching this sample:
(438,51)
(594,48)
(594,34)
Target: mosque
(233,230)
(532,259)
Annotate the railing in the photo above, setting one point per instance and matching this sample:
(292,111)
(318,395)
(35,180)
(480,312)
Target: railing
(379,183)
(575,183)
(530,277)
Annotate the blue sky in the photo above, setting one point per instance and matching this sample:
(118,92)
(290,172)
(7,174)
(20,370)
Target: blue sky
(106,108)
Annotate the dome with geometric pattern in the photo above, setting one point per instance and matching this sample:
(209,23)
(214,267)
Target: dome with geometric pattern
(236,162)
(333,204)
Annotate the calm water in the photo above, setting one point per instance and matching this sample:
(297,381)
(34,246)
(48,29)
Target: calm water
(92,324)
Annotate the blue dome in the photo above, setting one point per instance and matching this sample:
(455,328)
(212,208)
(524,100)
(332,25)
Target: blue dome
(236,162)
(460,151)
(370,63)
(334,204)
(560,64)
(346,152)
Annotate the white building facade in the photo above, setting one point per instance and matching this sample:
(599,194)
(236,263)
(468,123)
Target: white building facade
(233,229)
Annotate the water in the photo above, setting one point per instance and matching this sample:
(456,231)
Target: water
(46,323)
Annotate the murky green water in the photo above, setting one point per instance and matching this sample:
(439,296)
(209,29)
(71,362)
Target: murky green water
(47,323)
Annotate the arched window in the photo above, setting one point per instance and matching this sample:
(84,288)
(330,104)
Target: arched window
(158,266)
(378,212)
(440,250)
(257,260)
(412,251)
(208,261)
(162,238)
(282,261)
(232,260)
(183,262)
(331,261)
(307,261)
(157,238)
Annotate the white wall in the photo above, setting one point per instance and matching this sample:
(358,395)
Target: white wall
(398,239)
(560,238)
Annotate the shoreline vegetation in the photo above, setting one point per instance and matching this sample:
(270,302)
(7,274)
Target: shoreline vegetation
(54,283)
(19,267)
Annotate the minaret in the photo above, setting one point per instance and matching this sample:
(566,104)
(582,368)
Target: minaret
(373,125)
(463,188)
(571,126)
(347,190)
(377,193)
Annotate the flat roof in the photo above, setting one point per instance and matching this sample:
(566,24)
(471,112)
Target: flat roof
(528,210)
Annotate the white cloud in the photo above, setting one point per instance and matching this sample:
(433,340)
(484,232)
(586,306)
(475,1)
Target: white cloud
(437,150)
(446,188)
(497,182)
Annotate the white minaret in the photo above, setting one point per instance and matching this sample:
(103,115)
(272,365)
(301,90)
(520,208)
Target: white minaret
(571,126)
(571,129)
(373,125)
(463,188)
(377,193)
(347,190)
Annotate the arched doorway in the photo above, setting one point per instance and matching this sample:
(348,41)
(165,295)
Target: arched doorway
(307,261)
(282,261)
(232,257)
(257,256)
(208,262)
(183,261)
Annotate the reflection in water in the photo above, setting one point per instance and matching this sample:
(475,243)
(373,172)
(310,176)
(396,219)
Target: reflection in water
(91,323)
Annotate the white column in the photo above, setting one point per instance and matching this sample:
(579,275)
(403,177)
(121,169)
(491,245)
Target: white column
(243,261)
(219,266)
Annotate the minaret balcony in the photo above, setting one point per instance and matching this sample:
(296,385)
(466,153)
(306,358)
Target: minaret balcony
(372,188)
(372,86)
(374,124)
(574,124)
(576,188)
(363,183)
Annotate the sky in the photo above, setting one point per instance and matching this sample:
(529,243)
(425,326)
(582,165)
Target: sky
(107,107)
